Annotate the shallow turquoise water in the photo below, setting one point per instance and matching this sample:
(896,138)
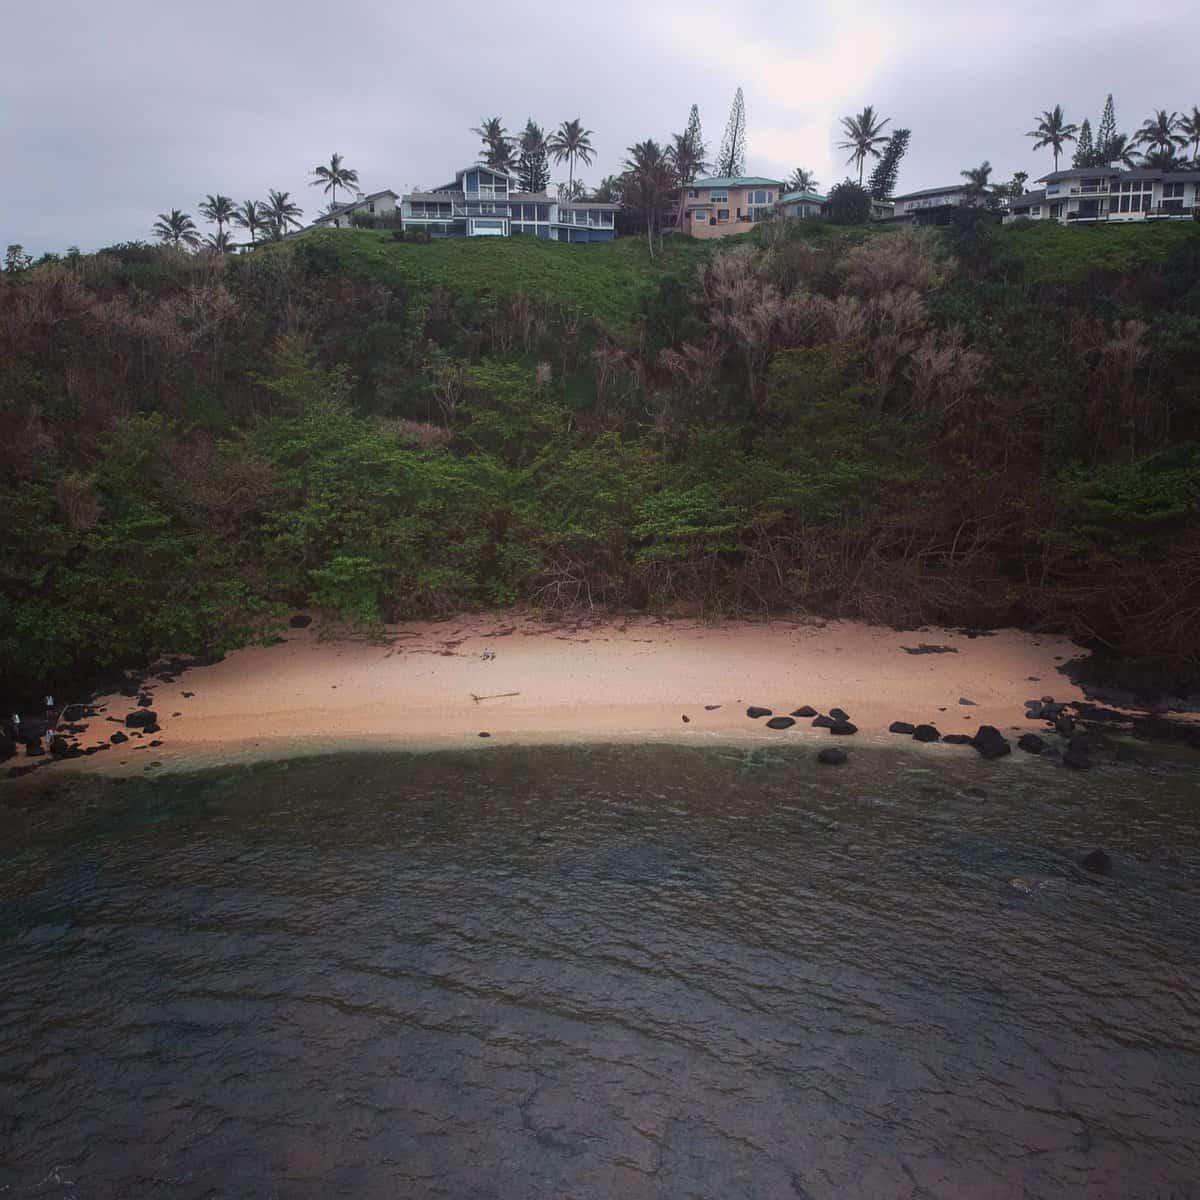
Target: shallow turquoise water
(594,972)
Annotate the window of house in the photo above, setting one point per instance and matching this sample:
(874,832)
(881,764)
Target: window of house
(1036,211)
(1056,209)
(699,214)
(722,214)
(1172,195)
(760,197)
(719,196)
(693,194)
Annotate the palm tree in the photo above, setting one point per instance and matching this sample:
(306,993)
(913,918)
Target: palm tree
(251,216)
(222,243)
(570,142)
(334,176)
(1190,126)
(864,136)
(802,181)
(649,181)
(1160,134)
(280,213)
(218,209)
(1053,131)
(177,228)
(610,189)
(496,141)
(978,185)
(1121,150)
(1164,160)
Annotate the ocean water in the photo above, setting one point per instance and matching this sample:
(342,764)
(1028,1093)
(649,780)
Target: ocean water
(603,972)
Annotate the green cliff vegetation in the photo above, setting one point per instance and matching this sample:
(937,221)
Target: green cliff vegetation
(972,426)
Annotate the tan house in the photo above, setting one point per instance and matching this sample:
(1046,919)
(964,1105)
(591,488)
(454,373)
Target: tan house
(714,208)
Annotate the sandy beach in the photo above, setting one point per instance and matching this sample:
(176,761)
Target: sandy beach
(523,680)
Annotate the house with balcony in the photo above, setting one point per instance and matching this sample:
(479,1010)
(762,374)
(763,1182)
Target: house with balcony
(363,210)
(1087,195)
(483,201)
(930,206)
(801,205)
(715,208)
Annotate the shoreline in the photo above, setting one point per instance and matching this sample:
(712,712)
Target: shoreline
(522,680)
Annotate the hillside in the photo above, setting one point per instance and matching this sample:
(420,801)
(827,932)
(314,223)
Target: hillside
(975,426)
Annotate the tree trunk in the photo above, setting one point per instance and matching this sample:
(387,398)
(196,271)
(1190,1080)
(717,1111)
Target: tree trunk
(650,235)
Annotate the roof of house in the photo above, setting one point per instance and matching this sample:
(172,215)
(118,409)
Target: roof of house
(338,210)
(736,181)
(1120,172)
(937,191)
(794,197)
(589,204)
(1028,198)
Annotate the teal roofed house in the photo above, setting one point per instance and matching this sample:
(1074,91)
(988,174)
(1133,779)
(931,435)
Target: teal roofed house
(801,204)
(483,201)
(714,208)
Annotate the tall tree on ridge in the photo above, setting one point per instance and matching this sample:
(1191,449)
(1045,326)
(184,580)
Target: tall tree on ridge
(218,209)
(883,178)
(334,176)
(688,151)
(1054,131)
(533,167)
(222,243)
(610,189)
(1121,150)
(1085,150)
(731,160)
(649,181)
(280,213)
(497,144)
(177,229)
(250,215)
(864,135)
(571,142)
(1106,132)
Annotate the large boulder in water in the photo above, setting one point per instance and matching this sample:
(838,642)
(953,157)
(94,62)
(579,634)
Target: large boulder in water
(925,733)
(1031,743)
(1097,862)
(780,723)
(1077,754)
(142,718)
(990,742)
(831,756)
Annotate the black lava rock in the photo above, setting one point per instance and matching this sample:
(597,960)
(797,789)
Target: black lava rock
(1063,725)
(711,707)
(824,722)
(901,727)
(843,728)
(156,742)
(1077,754)
(118,737)
(957,739)
(925,733)
(151,729)
(780,723)
(976,793)
(805,710)
(300,621)
(1097,862)
(831,756)
(970,703)
(59,747)
(990,742)
(1031,743)
(754,712)
(839,714)
(141,719)
(481,734)
(8,747)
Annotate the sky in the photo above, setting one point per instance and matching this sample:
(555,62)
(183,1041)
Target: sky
(112,111)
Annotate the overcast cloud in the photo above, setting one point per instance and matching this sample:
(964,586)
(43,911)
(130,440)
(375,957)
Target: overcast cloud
(114,110)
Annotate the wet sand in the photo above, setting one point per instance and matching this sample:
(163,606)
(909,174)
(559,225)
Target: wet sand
(525,680)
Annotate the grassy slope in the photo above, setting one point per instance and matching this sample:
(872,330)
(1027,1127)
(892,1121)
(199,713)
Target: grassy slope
(607,280)
(1068,253)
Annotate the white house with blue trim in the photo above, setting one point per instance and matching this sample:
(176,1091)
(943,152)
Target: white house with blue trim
(483,201)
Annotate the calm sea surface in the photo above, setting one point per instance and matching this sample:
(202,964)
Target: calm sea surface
(603,972)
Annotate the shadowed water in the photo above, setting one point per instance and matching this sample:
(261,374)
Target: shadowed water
(607,972)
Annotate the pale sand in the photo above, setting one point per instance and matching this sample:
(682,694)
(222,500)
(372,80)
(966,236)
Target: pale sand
(604,680)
